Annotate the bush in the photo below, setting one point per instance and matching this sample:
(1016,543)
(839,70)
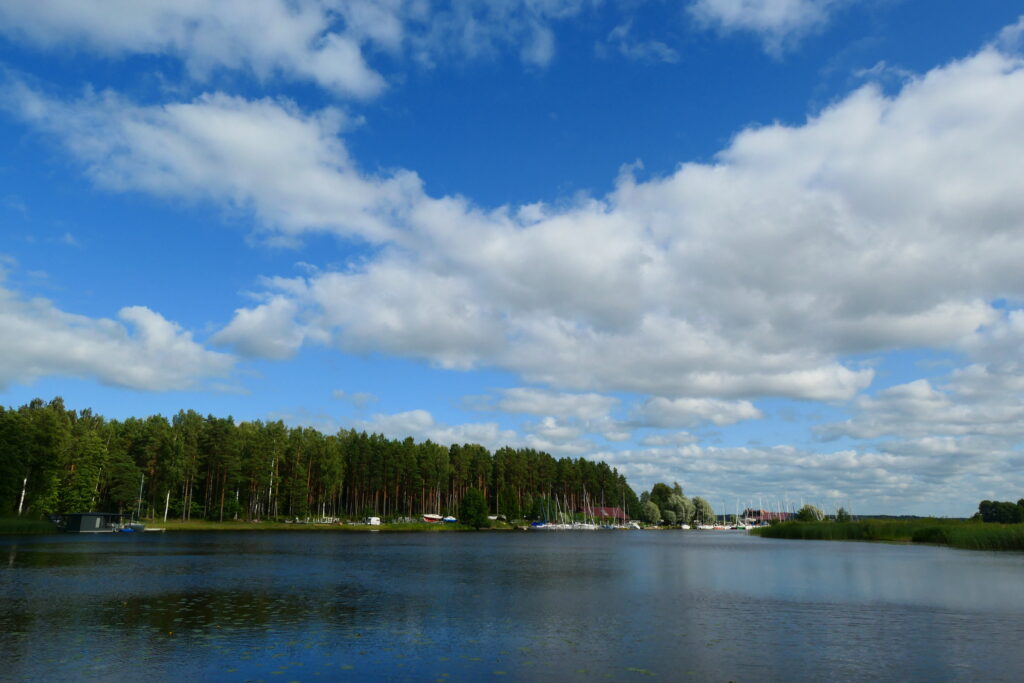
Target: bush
(809,513)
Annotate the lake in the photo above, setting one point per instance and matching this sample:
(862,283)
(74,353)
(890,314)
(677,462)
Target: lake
(623,605)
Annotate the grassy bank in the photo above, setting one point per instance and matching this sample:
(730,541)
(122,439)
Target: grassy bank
(954,533)
(22,526)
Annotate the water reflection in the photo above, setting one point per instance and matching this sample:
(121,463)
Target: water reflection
(575,605)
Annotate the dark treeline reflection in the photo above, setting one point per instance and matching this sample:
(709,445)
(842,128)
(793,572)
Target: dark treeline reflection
(57,460)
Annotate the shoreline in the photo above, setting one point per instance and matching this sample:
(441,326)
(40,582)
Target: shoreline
(23,527)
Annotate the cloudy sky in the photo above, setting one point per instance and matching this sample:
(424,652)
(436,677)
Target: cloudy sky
(770,249)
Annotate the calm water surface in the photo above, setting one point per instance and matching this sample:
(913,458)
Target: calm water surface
(538,606)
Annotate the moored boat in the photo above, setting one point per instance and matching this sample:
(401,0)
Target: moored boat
(432,519)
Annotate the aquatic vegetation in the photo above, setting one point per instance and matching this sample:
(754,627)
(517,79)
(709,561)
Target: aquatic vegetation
(975,536)
(954,533)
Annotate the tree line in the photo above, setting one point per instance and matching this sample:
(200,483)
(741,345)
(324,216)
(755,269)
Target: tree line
(1001,512)
(57,460)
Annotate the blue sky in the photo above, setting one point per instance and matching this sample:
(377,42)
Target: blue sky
(765,248)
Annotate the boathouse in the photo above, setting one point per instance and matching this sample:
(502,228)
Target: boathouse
(91,522)
(763,516)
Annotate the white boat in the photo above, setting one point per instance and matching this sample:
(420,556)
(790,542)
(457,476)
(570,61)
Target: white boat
(432,518)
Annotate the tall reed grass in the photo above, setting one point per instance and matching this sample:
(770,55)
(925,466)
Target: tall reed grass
(954,533)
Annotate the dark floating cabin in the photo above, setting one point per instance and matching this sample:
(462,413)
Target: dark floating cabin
(97,523)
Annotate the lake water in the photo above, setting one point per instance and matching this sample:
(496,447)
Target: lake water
(520,606)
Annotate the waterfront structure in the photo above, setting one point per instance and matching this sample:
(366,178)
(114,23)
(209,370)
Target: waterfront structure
(764,516)
(92,522)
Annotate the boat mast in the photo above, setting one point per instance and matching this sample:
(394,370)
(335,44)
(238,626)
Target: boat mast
(138,510)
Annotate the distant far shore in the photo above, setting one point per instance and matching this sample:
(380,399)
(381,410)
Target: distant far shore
(21,526)
(203,525)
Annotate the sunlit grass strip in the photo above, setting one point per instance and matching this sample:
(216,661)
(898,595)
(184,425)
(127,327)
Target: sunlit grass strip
(20,525)
(954,533)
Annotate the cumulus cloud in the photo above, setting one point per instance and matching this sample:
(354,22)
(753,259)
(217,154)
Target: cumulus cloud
(141,351)
(672,439)
(866,481)
(1011,38)
(563,405)
(548,435)
(779,23)
(882,222)
(290,169)
(974,412)
(265,37)
(421,425)
(266,331)
(689,412)
(326,42)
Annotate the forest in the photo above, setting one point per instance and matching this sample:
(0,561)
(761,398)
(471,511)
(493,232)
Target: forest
(57,460)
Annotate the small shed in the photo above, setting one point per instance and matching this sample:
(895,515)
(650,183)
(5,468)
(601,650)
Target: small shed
(92,522)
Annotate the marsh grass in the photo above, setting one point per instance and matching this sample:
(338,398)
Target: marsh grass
(954,533)
(974,536)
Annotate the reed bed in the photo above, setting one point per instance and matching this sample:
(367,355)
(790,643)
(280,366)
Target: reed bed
(974,536)
(954,533)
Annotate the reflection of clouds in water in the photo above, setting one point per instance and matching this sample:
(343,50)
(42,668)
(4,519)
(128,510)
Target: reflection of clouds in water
(558,604)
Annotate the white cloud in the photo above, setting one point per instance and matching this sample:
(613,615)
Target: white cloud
(143,351)
(326,42)
(880,223)
(288,168)
(689,412)
(265,37)
(420,425)
(551,429)
(976,411)
(865,481)
(541,402)
(620,39)
(672,439)
(483,29)
(779,23)
(1011,38)
(266,331)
